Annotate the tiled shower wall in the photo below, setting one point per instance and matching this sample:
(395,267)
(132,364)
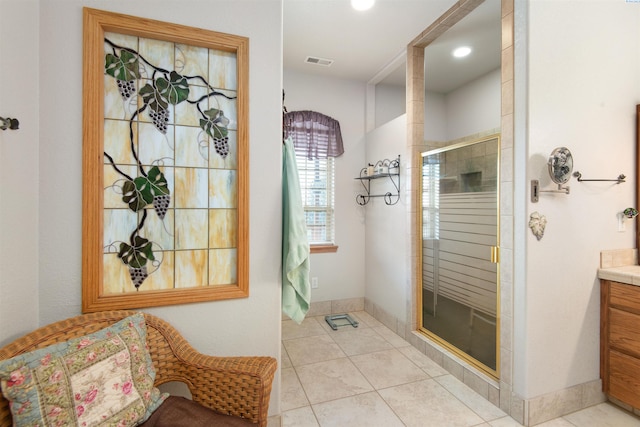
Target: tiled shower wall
(496,391)
(499,392)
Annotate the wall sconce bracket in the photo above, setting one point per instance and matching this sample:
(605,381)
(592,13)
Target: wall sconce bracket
(8,123)
(535,190)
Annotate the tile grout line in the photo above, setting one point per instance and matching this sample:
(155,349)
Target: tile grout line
(374,389)
(453,392)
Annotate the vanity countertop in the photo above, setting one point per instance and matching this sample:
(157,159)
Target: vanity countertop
(629,274)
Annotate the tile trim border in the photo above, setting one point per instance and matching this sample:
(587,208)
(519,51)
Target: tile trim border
(337,306)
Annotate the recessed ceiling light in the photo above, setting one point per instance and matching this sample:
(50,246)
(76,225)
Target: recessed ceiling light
(461,52)
(362,4)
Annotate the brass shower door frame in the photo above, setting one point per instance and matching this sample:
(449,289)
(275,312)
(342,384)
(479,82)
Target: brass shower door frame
(495,257)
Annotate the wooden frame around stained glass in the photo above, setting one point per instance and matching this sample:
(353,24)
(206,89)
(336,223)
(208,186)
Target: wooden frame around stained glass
(165,163)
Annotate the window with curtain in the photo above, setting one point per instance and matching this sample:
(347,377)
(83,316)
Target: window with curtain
(317,140)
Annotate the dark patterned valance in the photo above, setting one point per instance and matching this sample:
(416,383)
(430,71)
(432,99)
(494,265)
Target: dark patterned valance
(314,134)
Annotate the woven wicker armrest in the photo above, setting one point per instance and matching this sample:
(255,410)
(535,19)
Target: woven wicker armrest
(239,386)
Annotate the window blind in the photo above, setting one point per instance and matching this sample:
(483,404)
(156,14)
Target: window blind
(317,183)
(317,140)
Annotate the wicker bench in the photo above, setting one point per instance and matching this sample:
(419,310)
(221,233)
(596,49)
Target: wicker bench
(238,386)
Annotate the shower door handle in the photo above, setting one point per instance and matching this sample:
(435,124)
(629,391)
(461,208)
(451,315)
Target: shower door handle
(495,254)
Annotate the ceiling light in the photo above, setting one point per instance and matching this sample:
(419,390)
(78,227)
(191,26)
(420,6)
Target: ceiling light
(362,4)
(462,51)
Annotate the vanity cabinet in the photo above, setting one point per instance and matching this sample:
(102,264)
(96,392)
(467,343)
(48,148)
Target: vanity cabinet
(620,341)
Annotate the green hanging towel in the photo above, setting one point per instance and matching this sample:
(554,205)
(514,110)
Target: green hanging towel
(296,291)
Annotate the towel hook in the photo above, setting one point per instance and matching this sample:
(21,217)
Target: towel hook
(8,123)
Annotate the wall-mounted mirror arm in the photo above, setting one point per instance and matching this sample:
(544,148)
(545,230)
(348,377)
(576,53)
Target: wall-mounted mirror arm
(535,190)
(618,180)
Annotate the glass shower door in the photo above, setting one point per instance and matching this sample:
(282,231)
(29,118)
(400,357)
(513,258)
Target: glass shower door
(459,292)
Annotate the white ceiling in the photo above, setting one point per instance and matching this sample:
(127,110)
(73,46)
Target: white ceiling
(363,44)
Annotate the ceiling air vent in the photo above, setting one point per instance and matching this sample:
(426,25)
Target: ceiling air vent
(318,61)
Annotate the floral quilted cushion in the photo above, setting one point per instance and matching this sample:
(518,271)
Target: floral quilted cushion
(102,379)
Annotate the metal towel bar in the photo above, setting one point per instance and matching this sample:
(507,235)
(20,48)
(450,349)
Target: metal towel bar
(618,180)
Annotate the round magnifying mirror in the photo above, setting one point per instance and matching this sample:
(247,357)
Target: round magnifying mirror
(560,165)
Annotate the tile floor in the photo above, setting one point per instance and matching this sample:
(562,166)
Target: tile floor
(369,376)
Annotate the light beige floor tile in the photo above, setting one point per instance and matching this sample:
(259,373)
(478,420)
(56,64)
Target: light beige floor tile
(309,327)
(391,336)
(559,422)
(330,375)
(423,361)
(388,368)
(314,349)
(360,341)
(473,400)
(292,394)
(301,417)
(343,325)
(603,415)
(366,319)
(428,404)
(363,410)
(274,421)
(332,380)
(285,362)
(504,422)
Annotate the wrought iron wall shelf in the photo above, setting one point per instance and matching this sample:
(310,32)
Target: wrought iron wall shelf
(383,169)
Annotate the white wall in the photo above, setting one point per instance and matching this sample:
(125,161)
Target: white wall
(391,102)
(474,107)
(435,117)
(341,274)
(583,85)
(19,171)
(387,235)
(41,220)
(470,109)
(467,110)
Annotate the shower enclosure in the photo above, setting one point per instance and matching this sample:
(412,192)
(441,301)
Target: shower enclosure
(460,249)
